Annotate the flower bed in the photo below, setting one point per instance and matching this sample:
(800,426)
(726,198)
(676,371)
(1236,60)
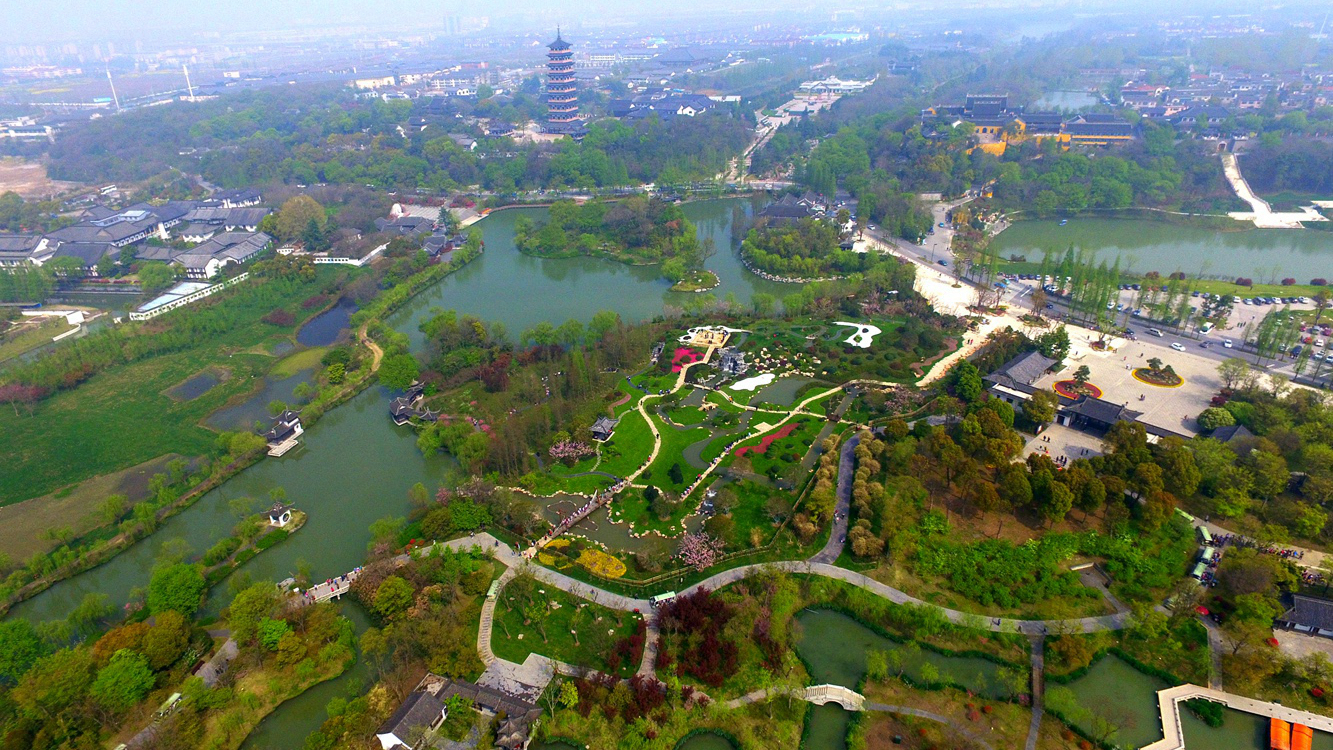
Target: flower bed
(1073,389)
(684,356)
(1160,378)
(601,563)
(767,440)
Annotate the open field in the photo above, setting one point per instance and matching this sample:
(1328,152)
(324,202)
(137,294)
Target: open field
(29,179)
(22,524)
(31,334)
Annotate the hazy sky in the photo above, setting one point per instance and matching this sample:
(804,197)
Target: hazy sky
(46,20)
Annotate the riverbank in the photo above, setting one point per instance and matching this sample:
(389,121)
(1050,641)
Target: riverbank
(385,304)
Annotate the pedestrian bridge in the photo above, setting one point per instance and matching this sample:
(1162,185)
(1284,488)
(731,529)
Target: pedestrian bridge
(845,697)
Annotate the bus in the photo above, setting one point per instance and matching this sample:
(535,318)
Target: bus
(661,599)
(1205,536)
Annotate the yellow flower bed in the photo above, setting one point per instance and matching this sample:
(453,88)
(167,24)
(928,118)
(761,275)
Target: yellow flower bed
(557,544)
(545,559)
(601,563)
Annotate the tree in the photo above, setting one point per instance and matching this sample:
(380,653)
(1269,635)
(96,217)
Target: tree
(1214,417)
(1321,300)
(123,682)
(176,587)
(398,371)
(393,597)
(1041,407)
(1081,375)
(154,277)
(20,647)
(167,640)
(1233,371)
(296,215)
(248,609)
(54,683)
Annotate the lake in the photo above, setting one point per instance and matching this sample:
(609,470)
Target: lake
(1266,255)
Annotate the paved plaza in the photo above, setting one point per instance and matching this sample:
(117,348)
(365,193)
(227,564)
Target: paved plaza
(1058,440)
(1170,408)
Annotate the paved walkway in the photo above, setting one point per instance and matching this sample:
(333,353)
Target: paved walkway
(846,468)
(1038,662)
(1215,647)
(1261,213)
(1115,621)
(1168,704)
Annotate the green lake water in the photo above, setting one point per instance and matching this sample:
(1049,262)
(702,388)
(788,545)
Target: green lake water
(835,646)
(708,741)
(1144,245)
(1123,695)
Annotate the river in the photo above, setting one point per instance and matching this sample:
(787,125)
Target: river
(1266,255)
(355,465)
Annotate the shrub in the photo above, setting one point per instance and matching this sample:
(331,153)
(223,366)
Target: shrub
(1319,282)
(1244,281)
(280,318)
(1288,282)
(1213,417)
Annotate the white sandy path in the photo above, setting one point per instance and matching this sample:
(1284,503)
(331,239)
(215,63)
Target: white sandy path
(864,336)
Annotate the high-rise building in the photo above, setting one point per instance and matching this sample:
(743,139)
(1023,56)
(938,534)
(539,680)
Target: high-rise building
(562,107)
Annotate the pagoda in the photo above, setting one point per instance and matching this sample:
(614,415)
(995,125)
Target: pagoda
(562,105)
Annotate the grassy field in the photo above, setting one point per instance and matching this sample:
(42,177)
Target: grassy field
(22,524)
(306,359)
(31,337)
(674,441)
(122,416)
(598,630)
(632,442)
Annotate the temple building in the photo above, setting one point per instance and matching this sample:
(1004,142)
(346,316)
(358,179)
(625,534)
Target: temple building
(562,106)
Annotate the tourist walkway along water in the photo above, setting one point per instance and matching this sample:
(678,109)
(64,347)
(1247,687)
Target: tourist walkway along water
(1168,704)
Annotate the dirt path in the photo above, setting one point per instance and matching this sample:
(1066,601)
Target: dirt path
(376,353)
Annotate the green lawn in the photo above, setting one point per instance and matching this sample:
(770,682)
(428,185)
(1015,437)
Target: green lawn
(715,447)
(686,415)
(630,445)
(751,510)
(674,441)
(599,629)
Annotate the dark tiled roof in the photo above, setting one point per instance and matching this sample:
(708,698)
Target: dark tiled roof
(1231,432)
(1022,370)
(1101,410)
(421,709)
(87,252)
(1310,612)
